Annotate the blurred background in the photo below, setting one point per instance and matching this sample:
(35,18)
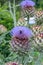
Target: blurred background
(6,24)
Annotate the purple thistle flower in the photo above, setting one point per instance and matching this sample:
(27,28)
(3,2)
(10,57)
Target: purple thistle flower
(20,38)
(20,31)
(27,7)
(27,3)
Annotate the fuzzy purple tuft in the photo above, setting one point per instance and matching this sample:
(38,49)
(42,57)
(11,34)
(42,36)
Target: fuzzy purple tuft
(27,3)
(21,31)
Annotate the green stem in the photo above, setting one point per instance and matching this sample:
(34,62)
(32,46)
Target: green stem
(23,60)
(13,14)
(28,20)
(14,9)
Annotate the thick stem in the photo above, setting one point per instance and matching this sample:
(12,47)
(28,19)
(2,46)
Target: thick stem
(14,9)
(11,10)
(13,14)
(28,20)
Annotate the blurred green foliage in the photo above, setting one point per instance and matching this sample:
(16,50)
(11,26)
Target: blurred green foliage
(5,17)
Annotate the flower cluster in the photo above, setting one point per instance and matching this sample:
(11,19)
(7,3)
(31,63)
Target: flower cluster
(20,37)
(28,7)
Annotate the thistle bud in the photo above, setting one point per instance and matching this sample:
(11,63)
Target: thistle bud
(20,38)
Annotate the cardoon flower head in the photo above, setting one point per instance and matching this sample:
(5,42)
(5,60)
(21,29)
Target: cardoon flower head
(28,6)
(20,37)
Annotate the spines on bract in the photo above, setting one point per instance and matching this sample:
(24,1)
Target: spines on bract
(39,17)
(29,11)
(38,36)
(38,41)
(21,22)
(37,29)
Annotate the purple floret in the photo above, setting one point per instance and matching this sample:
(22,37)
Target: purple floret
(21,31)
(27,3)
